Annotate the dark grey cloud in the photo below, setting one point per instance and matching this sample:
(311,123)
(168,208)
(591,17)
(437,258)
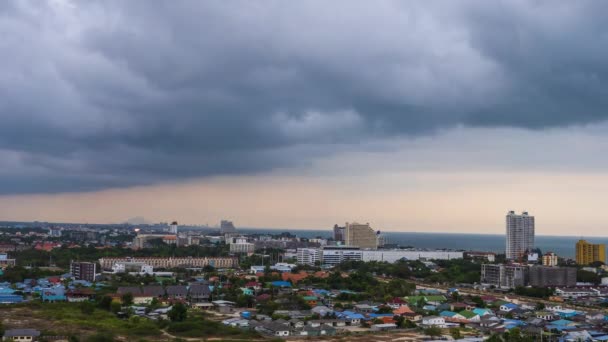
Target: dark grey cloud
(102,94)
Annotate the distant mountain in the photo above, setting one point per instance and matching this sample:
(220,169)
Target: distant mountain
(137,220)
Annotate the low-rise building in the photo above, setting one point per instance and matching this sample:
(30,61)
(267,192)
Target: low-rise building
(21,335)
(550,259)
(219,262)
(435,321)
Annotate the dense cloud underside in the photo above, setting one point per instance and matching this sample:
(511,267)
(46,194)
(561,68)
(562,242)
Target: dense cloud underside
(98,94)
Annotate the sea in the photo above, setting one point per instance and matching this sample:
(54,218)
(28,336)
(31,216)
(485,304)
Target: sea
(563,246)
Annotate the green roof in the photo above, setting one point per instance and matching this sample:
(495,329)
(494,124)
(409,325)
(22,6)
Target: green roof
(310,298)
(467,314)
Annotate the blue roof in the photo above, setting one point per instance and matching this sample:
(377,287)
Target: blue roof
(601,338)
(514,322)
(447,313)
(280,283)
(561,322)
(481,312)
(7,299)
(510,305)
(350,315)
(6,290)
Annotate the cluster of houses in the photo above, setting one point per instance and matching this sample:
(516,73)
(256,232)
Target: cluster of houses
(428,308)
(49,289)
(323,316)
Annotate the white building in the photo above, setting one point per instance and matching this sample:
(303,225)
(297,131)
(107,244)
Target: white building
(337,254)
(436,321)
(132,267)
(550,259)
(520,234)
(395,255)
(309,256)
(173,228)
(242,248)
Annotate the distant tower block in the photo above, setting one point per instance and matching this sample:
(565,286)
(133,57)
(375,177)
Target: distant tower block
(520,235)
(173,227)
(227,227)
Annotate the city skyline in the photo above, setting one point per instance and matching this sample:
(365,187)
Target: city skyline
(420,116)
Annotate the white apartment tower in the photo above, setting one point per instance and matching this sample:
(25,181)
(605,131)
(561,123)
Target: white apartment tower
(520,234)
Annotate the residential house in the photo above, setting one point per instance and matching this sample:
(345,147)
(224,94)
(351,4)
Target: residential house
(21,335)
(177,292)
(311,300)
(274,329)
(364,308)
(482,312)
(545,315)
(296,323)
(198,293)
(321,310)
(352,318)
(401,310)
(437,321)
(469,316)
(507,307)
(53,294)
(383,327)
(80,295)
(414,317)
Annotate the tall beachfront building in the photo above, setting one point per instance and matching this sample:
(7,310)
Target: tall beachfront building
(587,253)
(520,235)
(360,235)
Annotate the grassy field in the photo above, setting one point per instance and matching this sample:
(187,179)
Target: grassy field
(67,319)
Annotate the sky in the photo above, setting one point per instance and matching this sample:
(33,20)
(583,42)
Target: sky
(413,116)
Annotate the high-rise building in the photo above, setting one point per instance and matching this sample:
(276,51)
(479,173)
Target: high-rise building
(339,233)
(520,235)
(173,227)
(83,270)
(587,253)
(504,276)
(360,235)
(227,227)
(550,259)
(309,256)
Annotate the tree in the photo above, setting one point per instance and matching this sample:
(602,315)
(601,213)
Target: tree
(540,306)
(455,332)
(178,312)
(432,331)
(105,303)
(587,277)
(127,299)
(101,337)
(115,307)
(407,324)
(385,309)
(87,308)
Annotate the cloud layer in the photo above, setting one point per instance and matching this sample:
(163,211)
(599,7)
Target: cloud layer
(101,94)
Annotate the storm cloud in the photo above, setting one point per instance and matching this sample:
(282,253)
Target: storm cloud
(99,94)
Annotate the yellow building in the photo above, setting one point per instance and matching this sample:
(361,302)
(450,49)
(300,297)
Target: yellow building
(360,235)
(587,253)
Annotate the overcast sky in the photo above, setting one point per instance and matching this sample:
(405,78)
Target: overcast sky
(413,116)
